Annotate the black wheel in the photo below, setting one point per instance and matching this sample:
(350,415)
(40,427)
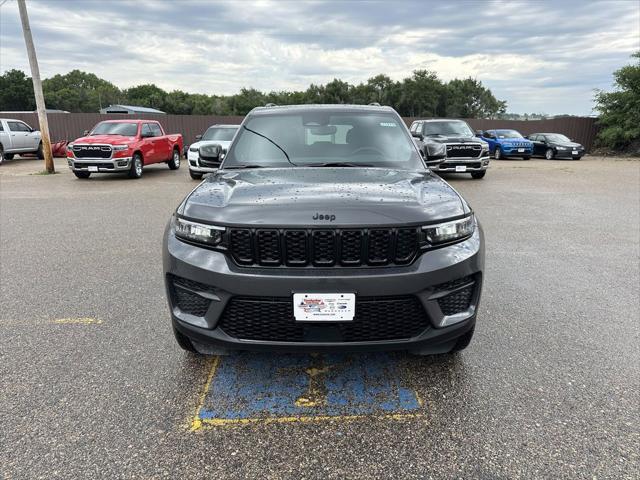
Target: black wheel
(527,157)
(463,341)
(39,152)
(82,174)
(184,342)
(174,163)
(1,154)
(478,174)
(136,166)
(195,175)
(497,154)
(9,156)
(549,154)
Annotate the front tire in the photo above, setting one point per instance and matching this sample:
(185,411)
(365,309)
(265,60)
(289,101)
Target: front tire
(1,154)
(549,154)
(184,342)
(478,175)
(82,175)
(136,166)
(497,154)
(195,175)
(174,163)
(39,152)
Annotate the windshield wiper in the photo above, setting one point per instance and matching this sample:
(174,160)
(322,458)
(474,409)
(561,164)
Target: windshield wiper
(274,143)
(238,167)
(338,164)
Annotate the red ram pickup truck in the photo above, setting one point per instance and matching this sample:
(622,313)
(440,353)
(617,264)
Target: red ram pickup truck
(123,146)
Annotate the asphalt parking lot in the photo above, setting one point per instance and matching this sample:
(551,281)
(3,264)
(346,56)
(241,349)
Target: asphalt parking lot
(93,386)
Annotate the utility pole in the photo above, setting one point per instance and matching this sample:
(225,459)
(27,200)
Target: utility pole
(37,88)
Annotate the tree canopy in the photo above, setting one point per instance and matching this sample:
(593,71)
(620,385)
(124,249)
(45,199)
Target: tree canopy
(422,94)
(620,109)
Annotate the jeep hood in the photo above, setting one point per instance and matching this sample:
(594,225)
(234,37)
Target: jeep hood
(293,196)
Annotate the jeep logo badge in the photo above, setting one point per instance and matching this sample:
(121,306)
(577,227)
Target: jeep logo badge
(326,216)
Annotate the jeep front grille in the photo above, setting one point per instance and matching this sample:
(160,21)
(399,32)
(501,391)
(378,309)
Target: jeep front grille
(351,247)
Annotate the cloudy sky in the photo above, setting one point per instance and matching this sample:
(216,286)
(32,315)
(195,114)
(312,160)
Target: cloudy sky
(540,56)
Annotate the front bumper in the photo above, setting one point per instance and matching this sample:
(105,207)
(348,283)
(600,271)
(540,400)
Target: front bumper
(227,281)
(569,153)
(514,151)
(453,165)
(120,164)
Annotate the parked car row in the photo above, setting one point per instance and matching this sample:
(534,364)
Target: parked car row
(128,145)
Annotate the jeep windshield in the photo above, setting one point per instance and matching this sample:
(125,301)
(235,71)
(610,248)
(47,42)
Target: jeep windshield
(508,134)
(223,134)
(453,128)
(308,138)
(116,128)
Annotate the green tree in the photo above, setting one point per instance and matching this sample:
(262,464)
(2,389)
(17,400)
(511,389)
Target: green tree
(468,98)
(420,95)
(79,91)
(16,92)
(620,109)
(147,95)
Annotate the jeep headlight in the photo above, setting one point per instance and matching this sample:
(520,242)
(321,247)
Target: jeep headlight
(198,232)
(449,231)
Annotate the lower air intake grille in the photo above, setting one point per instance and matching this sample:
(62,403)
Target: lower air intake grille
(459,300)
(271,319)
(186,298)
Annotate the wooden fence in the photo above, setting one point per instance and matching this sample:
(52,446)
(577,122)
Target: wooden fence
(68,126)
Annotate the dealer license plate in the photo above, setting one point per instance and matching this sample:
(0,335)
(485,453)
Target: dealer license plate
(574,152)
(93,168)
(324,307)
(461,168)
(520,150)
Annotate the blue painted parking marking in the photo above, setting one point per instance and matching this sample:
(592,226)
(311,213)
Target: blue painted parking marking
(251,387)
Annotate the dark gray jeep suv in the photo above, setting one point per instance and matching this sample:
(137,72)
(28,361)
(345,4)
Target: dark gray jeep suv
(323,230)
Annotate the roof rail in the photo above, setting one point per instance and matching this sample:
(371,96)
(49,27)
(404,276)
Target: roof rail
(271,105)
(374,104)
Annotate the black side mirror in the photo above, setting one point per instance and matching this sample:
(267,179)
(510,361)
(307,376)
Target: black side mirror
(210,153)
(417,135)
(85,133)
(198,137)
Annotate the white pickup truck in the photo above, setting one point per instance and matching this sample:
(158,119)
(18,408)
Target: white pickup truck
(17,137)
